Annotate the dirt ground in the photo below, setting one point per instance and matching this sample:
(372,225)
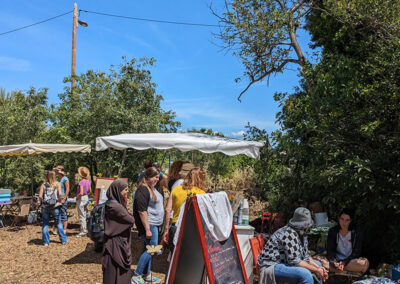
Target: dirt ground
(24,259)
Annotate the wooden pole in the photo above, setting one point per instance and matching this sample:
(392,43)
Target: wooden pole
(74,26)
(122,163)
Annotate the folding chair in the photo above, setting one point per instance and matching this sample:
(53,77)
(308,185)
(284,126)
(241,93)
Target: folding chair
(257,245)
(23,213)
(266,216)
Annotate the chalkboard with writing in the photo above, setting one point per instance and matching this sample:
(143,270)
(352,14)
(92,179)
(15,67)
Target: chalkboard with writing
(198,255)
(224,259)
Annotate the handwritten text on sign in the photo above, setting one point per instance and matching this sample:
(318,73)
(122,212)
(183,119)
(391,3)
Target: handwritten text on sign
(224,259)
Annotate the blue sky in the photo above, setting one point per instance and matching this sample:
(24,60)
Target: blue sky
(194,75)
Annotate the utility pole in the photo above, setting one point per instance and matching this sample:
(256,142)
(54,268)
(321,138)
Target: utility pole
(74,26)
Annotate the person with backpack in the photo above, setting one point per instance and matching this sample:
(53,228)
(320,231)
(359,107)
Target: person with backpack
(148,210)
(116,259)
(82,198)
(50,197)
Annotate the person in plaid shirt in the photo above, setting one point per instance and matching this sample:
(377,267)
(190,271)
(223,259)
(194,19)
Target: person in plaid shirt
(285,257)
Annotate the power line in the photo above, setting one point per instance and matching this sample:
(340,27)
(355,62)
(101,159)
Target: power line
(111,15)
(150,20)
(34,24)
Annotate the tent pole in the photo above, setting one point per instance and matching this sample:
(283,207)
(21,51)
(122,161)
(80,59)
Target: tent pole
(31,177)
(122,163)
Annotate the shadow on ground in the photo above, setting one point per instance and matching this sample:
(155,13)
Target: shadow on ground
(86,256)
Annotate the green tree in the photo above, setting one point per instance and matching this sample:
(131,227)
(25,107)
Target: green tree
(123,100)
(263,34)
(23,118)
(341,136)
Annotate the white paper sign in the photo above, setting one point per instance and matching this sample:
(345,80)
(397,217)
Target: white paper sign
(103,196)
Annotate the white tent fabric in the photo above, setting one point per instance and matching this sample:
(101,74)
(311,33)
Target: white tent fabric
(34,148)
(181,141)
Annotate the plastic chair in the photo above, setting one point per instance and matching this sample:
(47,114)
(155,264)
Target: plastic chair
(257,245)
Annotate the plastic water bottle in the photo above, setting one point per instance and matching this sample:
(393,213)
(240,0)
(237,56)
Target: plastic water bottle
(245,212)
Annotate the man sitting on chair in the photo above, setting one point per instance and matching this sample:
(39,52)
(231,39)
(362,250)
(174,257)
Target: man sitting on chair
(285,256)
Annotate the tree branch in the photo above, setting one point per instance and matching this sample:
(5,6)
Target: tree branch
(297,6)
(267,73)
(282,5)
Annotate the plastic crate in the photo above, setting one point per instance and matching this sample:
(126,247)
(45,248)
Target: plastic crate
(396,272)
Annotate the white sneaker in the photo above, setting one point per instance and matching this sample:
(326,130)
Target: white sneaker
(152,279)
(137,279)
(81,234)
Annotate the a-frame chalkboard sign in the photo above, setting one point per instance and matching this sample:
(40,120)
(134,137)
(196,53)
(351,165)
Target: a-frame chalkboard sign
(197,254)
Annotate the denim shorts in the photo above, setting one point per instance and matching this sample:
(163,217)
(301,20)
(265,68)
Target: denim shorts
(63,212)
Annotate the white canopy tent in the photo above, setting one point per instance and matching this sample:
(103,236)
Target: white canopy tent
(34,148)
(31,149)
(181,141)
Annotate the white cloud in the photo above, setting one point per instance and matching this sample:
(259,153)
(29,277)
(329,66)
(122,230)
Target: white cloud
(14,64)
(238,134)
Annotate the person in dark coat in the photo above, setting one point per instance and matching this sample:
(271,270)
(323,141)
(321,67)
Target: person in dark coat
(345,244)
(116,259)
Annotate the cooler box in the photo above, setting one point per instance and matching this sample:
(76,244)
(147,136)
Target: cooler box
(5,195)
(244,234)
(396,272)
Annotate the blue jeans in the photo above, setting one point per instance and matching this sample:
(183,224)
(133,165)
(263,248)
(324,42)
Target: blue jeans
(63,211)
(144,263)
(57,220)
(293,274)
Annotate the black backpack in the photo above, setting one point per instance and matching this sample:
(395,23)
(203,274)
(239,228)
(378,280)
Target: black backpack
(96,222)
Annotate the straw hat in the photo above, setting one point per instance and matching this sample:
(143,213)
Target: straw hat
(186,167)
(83,172)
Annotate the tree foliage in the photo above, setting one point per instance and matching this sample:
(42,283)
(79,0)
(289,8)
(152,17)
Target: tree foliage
(122,100)
(341,136)
(263,34)
(218,166)
(23,118)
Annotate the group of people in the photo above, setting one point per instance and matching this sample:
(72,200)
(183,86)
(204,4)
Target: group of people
(285,257)
(53,196)
(150,216)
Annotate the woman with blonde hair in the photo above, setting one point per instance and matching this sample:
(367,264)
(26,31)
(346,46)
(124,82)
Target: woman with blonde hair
(50,196)
(148,210)
(193,184)
(83,191)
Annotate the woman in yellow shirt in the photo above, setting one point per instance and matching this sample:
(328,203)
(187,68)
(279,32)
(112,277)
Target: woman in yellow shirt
(193,184)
